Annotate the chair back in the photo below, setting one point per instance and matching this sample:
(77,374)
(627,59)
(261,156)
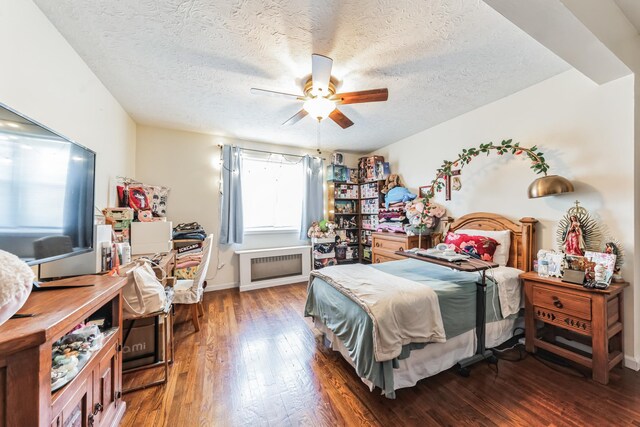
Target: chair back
(201,274)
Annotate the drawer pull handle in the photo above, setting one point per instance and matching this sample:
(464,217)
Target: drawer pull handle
(557,302)
(377,244)
(400,249)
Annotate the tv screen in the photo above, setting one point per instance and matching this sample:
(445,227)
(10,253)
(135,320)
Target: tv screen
(46,191)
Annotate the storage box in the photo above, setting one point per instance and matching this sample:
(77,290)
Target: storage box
(118,214)
(139,347)
(151,237)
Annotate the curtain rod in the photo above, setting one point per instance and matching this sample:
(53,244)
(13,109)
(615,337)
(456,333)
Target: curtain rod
(274,152)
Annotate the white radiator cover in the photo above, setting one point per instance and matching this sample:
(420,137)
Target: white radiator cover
(263,268)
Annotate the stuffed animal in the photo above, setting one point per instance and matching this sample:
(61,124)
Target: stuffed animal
(392,181)
(398,194)
(314,230)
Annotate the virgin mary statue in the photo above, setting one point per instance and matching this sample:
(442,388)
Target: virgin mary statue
(573,239)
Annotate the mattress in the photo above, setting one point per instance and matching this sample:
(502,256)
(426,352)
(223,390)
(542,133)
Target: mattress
(350,327)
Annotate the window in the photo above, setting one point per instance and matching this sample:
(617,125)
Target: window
(271,193)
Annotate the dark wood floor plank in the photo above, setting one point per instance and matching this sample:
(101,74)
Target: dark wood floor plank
(257,362)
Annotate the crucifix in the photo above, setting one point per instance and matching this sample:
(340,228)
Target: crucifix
(447,180)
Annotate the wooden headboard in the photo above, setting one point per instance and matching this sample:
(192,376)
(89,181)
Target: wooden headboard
(523,241)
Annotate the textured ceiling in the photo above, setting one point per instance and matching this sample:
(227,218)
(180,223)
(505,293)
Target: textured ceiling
(190,64)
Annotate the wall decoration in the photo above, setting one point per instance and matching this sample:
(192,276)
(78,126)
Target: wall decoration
(578,232)
(456,183)
(423,191)
(455,174)
(543,186)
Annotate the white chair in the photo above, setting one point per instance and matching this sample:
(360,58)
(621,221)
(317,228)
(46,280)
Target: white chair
(189,292)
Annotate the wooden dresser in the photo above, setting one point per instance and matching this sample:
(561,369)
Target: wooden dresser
(589,316)
(93,397)
(383,245)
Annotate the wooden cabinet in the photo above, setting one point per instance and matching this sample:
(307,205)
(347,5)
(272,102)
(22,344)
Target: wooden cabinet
(589,316)
(385,244)
(93,397)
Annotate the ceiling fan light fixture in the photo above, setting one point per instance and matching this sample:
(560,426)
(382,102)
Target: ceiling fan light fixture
(319,107)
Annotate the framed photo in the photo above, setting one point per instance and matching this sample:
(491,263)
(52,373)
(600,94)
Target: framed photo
(604,265)
(422,191)
(555,264)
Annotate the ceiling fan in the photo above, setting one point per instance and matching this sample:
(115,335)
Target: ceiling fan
(320,97)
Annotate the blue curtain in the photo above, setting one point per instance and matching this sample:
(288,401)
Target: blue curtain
(312,198)
(231,227)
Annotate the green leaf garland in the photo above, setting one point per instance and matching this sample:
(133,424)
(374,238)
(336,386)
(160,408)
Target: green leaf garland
(538,163)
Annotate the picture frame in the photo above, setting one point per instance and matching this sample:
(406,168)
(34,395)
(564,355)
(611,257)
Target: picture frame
(424,190)
(556,261)
(608,261)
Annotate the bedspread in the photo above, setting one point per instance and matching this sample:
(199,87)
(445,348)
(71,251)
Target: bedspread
(402,311)
(456,292)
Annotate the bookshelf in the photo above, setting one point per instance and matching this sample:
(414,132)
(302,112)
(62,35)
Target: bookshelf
(372,172)
(344,211)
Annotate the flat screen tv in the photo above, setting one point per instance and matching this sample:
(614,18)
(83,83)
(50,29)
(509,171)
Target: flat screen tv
(46,191)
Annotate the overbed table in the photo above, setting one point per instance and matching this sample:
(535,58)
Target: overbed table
(470,265)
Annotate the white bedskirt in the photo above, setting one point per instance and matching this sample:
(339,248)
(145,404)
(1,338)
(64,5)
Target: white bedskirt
(435,357)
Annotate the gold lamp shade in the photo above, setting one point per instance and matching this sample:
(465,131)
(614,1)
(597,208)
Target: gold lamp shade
(549,185)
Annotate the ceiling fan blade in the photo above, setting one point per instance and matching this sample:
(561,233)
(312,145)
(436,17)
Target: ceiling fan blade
(373,95)
(296,118)
(272,93)
(342,120)
(321,73)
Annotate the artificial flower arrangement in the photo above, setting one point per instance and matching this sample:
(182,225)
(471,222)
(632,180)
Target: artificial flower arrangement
(423,215)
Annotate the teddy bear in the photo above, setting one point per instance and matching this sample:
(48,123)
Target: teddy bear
(392,181)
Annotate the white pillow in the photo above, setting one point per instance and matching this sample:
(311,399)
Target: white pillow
(501,256)
(16,278)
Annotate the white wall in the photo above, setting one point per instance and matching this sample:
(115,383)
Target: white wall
(42,77)
(188,163)
(586,133)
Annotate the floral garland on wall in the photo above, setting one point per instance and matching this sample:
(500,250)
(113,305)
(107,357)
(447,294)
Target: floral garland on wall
(444,172)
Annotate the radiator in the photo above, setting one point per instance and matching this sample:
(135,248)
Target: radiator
(261,268)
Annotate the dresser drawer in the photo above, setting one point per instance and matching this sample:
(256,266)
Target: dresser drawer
(380,257)
(563,302)
(390,244)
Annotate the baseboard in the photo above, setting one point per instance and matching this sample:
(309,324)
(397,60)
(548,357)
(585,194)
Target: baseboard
(632,363)
(220,286)
(274,282)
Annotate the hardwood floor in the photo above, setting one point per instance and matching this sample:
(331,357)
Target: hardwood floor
(257,362)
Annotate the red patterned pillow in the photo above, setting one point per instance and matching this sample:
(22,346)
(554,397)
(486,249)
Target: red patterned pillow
(479,246)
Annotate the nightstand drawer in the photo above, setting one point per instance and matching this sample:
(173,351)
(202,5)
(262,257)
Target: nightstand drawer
(563,320)
(562,302)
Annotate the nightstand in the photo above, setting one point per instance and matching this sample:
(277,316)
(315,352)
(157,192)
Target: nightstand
(590,316)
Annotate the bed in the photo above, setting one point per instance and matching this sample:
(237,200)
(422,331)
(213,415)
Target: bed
(447,308)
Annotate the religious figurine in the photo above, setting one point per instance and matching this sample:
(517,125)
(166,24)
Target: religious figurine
(573,240)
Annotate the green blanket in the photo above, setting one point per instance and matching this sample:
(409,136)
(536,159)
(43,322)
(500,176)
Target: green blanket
(456,295)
